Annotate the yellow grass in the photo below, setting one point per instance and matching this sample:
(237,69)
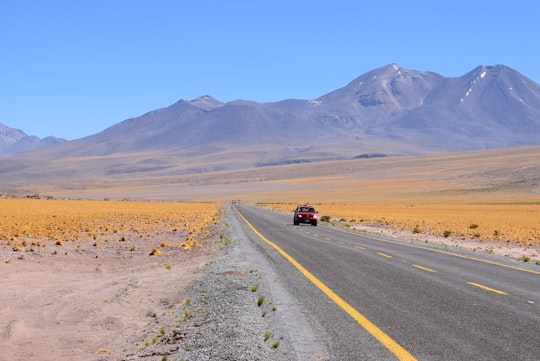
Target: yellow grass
(32,224)
(519,223)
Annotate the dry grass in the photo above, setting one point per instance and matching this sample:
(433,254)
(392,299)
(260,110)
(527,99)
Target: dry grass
(517,223)
(78,277)
(35,225)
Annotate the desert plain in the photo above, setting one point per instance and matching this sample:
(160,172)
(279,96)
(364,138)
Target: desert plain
(96,271)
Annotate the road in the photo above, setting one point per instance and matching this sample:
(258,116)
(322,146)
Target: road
(381,299)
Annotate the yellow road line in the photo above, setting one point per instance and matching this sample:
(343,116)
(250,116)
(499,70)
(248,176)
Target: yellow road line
(487,288)
(327,239)
(359,247)
(384,255)
(424,268)
(369,326)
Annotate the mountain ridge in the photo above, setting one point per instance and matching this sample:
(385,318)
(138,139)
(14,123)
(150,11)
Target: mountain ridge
(387,111)
(13,141)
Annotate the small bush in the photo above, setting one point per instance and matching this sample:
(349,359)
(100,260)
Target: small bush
(473,226)
(268,335)
(447,233)
(325,218)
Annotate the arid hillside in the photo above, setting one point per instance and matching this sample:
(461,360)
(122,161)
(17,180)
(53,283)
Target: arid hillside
(507,175)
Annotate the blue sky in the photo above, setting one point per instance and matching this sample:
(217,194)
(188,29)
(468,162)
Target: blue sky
(74,68)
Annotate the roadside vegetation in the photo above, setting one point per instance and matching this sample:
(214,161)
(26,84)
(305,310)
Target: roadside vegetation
(504,222)
(48,226)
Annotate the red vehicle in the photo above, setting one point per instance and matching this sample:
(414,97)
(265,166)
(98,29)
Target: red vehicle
(305,214)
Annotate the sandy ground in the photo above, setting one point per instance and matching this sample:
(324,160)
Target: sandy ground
(91,303)
(507,249)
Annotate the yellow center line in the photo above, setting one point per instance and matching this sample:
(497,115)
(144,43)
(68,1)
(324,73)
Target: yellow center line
(424,268)
(384,255)
(359,247)
(369,326)
(342,243)
(487,288)
(327,239)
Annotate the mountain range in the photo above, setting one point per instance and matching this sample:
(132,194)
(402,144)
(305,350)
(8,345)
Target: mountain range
(388,111)
(15,141)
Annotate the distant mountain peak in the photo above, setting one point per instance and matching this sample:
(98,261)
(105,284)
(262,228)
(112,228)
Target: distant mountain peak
(206,102)
(10,135)
(15,141)
(393,67)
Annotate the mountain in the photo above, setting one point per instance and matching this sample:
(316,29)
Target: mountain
(490,107)
(388,111)
(15,141)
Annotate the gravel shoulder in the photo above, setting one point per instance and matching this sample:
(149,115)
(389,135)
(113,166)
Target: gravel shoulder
(241,312)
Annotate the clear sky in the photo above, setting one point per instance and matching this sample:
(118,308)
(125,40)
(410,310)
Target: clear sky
(72,68)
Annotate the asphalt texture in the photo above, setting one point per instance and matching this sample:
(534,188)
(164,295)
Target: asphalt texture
(434,303)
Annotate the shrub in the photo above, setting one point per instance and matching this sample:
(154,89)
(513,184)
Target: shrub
(268,335)
(325,218)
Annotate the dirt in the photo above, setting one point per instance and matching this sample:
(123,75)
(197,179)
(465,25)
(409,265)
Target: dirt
(514,250)
(91,303)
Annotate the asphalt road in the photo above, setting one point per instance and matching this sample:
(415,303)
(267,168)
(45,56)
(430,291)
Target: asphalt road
(379,299)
